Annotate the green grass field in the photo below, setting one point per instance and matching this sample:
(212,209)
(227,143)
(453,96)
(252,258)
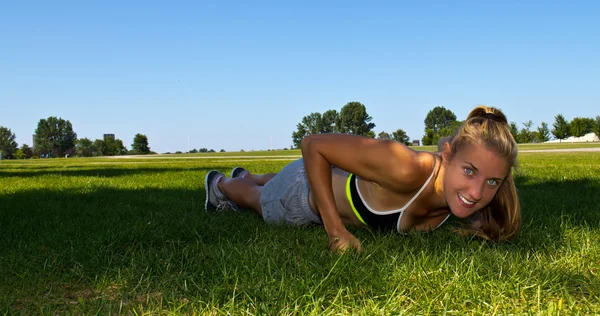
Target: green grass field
(101,235)
(296,152)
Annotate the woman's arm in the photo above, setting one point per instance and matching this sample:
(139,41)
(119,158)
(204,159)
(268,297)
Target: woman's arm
(388,163)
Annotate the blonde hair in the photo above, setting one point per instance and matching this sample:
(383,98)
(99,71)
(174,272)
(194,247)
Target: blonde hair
(500,220)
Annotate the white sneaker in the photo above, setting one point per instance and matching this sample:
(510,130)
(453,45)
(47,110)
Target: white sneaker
(239,172)
(214,202)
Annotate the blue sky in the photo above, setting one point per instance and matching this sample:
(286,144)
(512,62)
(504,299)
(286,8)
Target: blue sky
(233,75)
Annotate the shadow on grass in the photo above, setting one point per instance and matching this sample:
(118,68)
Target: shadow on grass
(162,240)
(548,208)
(550,204)
(108,172)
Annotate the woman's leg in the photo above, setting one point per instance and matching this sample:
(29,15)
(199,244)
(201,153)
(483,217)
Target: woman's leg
(242,191)
(261,179)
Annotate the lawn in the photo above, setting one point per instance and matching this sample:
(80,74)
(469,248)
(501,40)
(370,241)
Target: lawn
(100,235)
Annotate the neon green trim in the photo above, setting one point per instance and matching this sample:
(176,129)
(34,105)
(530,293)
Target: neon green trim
(349,195)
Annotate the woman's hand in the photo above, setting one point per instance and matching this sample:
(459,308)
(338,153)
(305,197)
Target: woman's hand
(342,241)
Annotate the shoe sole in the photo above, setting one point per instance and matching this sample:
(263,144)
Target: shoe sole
(232,172)
(206,202)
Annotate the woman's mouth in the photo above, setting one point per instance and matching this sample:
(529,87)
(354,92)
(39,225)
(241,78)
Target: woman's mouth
(464,202)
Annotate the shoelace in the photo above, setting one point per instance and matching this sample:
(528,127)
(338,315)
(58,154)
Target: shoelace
(223,205)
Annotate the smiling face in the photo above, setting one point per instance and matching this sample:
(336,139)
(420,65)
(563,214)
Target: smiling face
(473,175)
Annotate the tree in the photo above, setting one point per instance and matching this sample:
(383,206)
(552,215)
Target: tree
(401,137)
(354,119)
(140,144)
(27,151)
(384,135)
(514,130)
(590,123)
(299,135)
(328,120)
(54,135)
(100,147)
(85,147)
(543,133)
(8,145)
(586,125)
(535,136)
(310,124)
(561,128)
(579,127)
(110,147)
(439,118)
(596,128)
(120,148)
(19,154)
(430,137)
(439,122)
(449,130)
(222,150)
(525,135)
(313,123)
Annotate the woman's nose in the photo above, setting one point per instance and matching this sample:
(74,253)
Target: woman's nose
(476,191)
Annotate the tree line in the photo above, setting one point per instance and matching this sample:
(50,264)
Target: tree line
(439,122)
(351,119)
(55,137)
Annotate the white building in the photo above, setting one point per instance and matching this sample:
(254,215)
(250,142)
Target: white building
(589,137)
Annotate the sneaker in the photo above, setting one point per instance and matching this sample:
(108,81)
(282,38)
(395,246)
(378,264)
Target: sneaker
(216,201)
(239,172)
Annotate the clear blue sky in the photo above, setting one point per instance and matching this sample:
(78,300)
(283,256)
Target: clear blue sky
(231,75)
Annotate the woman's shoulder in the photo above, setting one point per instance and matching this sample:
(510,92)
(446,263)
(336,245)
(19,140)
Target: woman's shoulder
(413,172)
(426,163)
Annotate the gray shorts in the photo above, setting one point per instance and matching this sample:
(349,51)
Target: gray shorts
(284,199)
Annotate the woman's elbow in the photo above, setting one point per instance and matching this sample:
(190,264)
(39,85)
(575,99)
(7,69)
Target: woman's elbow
(306,142)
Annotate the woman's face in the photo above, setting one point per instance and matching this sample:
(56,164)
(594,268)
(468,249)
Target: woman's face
(472,177)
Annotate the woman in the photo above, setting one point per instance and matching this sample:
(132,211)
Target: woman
(381,184)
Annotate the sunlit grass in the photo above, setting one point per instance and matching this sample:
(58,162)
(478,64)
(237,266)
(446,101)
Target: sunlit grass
(296,152)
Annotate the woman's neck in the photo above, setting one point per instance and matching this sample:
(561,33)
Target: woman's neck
(438,199)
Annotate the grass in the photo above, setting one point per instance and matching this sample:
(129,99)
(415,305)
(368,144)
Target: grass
(100,236)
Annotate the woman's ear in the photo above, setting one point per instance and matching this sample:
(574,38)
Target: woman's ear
(443,141)
(446,152)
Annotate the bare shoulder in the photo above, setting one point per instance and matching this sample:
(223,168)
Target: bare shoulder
(388,163)
(411,168)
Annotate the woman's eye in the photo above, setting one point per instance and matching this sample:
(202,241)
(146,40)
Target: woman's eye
(492,182)
(468,171)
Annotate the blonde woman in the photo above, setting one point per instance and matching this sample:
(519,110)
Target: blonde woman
(346,180)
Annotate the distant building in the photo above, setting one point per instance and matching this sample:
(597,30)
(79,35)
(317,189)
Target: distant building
(589,137)
(109,136)
(416,142)
(33,141)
